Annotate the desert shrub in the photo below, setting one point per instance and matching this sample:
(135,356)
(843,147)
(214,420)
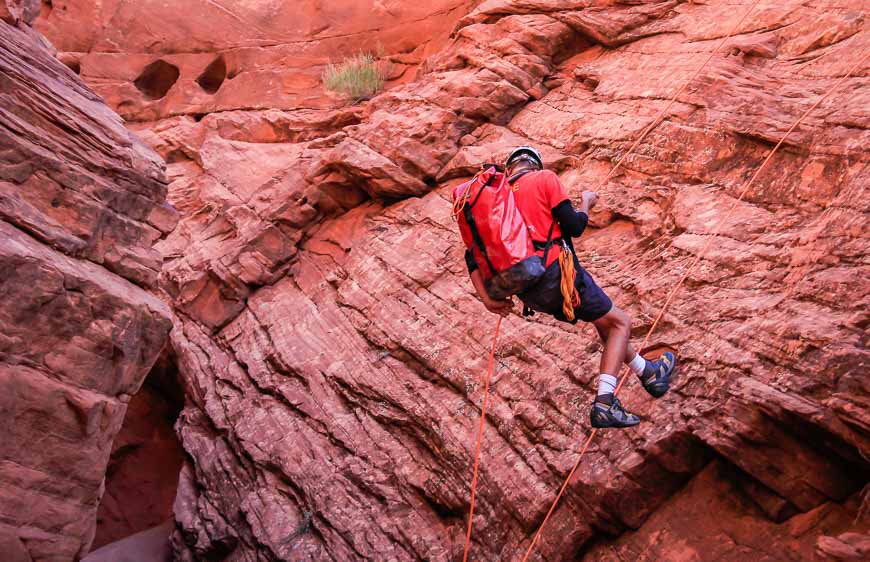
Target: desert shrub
(358,77)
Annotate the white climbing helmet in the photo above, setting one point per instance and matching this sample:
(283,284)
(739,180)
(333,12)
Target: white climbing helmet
(525,153)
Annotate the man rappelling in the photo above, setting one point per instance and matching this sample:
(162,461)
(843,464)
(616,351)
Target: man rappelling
(518,224)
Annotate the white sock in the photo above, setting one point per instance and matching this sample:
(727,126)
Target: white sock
(637,365)
(606,384)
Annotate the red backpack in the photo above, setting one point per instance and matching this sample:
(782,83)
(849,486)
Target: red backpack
(494,230)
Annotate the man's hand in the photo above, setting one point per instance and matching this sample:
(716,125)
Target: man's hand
(590,198)
(500,307)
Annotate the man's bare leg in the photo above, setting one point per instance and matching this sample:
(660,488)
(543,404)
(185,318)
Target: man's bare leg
(614,328)
(630,352)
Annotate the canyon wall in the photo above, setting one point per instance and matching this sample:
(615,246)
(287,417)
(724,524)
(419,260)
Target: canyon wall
(81,205)
(152,59)
(327,336)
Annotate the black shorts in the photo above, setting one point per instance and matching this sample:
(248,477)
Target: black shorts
(546,295)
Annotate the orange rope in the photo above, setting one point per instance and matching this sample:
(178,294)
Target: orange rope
(479,438)
(459,202)
(673,292)
(569,292)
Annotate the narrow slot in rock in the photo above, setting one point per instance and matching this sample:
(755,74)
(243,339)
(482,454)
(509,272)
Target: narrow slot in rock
(142,475)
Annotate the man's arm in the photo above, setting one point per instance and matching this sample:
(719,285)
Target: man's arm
(573,222)
(502,307)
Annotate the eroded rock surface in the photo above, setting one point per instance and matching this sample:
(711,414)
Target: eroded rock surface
(715,517)
(81,202)
(332,350)
(153,59)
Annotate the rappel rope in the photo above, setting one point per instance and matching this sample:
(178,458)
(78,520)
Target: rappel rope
(631,149)
(479,434)
(685,275)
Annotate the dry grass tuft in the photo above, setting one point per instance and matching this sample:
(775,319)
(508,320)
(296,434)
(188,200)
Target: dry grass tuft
(359,77)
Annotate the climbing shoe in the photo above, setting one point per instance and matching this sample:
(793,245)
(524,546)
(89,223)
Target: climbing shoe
(611,415)
(656,378)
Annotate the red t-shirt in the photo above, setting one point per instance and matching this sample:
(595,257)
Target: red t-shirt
(536,194)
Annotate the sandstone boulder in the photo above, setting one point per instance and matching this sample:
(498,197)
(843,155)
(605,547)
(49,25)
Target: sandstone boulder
(73,176)
(80,205)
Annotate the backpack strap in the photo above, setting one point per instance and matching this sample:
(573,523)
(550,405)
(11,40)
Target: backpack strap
(472,224)
(527,310)
(514,178)
(480,192)
(475,235)
(460,200)
(549,243)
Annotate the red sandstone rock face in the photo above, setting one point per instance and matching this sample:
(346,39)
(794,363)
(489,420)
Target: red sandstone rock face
(80,206)
(715,517)
(154,59)
(332,350)
(19,11)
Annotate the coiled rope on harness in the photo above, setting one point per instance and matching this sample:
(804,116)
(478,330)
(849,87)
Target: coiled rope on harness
(460,201)
(570,298)
(685,275)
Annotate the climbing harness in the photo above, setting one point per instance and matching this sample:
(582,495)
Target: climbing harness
(685,275)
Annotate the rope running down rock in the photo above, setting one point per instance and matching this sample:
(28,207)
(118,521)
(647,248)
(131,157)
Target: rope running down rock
(685,275)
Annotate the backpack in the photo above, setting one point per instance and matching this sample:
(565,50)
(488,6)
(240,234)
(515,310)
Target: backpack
(497,235)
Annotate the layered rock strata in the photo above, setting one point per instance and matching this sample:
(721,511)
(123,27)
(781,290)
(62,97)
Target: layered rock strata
(81,203)
(153,59)
(332,350)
